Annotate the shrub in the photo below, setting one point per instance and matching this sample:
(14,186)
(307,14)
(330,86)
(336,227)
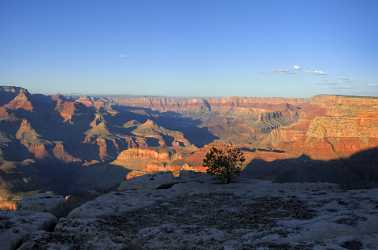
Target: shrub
(224,162)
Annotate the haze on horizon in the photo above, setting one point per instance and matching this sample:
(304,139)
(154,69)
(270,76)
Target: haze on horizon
(191,48)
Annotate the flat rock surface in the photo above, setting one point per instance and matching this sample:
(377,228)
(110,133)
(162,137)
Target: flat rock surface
(16,227)
(197,213)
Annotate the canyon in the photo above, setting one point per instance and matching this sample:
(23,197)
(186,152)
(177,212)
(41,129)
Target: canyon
(49,141)
(125,172)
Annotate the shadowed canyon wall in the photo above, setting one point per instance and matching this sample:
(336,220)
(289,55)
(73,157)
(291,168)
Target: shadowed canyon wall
(150,134)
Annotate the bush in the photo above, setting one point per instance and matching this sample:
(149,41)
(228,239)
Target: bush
(224,163)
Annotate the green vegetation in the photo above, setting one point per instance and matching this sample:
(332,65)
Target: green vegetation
(224,163)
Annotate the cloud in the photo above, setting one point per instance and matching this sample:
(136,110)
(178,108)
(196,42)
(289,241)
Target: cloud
(297,67)
(284,71)
(317,72)
(123,56)
(372,84)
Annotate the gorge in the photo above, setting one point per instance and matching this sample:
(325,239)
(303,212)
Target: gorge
(50,141)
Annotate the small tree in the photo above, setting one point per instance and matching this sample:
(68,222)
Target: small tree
(224,163)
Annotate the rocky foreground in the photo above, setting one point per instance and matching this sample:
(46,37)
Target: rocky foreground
(194,212)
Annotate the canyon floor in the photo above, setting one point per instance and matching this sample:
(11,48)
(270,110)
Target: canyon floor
(193,211)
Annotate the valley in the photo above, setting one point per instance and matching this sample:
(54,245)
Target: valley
(74,144)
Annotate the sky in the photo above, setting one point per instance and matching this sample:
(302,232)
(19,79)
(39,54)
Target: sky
(191,47)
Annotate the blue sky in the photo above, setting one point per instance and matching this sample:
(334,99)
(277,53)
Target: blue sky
(191,48)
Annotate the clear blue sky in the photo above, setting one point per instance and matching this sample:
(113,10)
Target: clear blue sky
(191,47)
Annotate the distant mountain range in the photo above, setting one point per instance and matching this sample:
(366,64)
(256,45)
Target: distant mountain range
(71,144)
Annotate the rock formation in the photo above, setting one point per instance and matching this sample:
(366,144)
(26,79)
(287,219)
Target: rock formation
(65,108)
(61,154)
(323,127)
(193,212)
(21,101)
(88,145)
(100,135)
(3,113)
(31,140)
(152,134)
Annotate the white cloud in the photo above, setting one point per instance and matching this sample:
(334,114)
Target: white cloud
(297,67)
(317,72)
(373,84)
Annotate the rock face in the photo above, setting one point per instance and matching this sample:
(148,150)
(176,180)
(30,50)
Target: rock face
(86,101)
(143,154)
(296,126)
(60,153)
(3,113)
(150,160)
(153,134)
(192,212)
(7,205)
(336,137)
(31,140)
(163,137)
(65,108)
(350,125)
(323,127)
(100,135)
(21,101)
(198,105)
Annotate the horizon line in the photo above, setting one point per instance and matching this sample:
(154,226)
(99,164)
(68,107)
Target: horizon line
(78,94)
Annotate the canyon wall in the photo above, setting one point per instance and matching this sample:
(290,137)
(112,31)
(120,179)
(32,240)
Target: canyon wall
(151,134)
(323,127)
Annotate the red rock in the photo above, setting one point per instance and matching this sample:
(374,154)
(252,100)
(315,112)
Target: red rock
(323,127)
(143,153)
(337,137)
(21,101)
(60,153)
(102,148)
(66,109)
(31,140)
(8,205)
(86,101)
(3,113)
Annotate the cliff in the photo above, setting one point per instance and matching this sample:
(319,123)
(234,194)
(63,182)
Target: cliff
(141,154)
(31,140)
(203,105)
(21,101)
(336,137)
(152,134)
(61,154)
(65,108)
